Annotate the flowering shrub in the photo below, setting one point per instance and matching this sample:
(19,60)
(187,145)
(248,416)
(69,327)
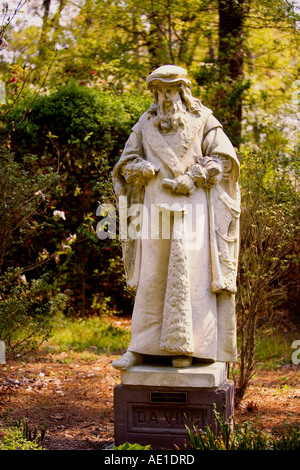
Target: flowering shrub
(77,133)
(27,304)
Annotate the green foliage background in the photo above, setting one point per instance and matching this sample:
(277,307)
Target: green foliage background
(79,133)
(75,85)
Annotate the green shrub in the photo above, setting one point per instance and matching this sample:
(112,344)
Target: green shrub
(28,433)
(79,132)
(273,349)
(14,440)
(128,446)
(268,275)
(75,123)
(288,440)
(25,192)
(27,304)
(18,436)
(26,312)
(243,437)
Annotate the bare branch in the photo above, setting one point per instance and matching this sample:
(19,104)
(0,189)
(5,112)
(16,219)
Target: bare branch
(7,20)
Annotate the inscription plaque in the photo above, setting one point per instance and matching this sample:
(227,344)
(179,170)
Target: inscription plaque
(168,397)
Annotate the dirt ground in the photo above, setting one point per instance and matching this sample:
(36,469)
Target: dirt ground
(73,393)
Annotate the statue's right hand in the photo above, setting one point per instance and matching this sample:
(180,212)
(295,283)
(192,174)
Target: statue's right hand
(138,172)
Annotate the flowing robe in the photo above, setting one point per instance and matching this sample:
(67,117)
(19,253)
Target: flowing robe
(185,286)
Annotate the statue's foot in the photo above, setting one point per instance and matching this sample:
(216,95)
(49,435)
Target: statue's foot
(182,361)
(129,359)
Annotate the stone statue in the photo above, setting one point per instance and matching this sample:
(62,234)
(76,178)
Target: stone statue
(182,170)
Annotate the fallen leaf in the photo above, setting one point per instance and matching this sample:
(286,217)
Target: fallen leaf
(57,417)
(251,406)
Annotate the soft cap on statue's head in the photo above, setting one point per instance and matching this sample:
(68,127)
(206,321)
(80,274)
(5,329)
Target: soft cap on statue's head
(168,74)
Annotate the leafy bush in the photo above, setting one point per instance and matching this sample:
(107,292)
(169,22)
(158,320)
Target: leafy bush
(128,446)
(268,278)
(13,439)
(26,305)
(19,436)
(28,433)
(289,440)
(78,132)
(26,311)
(25,191)
(75,124)
(243,437)
(273,349)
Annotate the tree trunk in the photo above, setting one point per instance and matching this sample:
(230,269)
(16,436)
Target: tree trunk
(156,41)
(55,22)
(43,43)
(231,60)
(231,37)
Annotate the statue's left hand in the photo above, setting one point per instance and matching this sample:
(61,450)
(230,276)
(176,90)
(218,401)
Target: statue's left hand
(149,170)
(183,184)
(213,173)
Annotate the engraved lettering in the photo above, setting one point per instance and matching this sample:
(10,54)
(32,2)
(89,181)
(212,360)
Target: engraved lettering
(168,397)
(141,417)
(169,417)
(153,418)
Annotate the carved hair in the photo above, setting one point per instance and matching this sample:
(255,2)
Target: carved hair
(192,104)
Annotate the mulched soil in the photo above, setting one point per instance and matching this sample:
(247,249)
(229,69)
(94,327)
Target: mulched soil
(272,400)
(75,399)
(73,393)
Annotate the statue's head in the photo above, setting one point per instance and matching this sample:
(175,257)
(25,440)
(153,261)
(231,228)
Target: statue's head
(172,97)
(167,75)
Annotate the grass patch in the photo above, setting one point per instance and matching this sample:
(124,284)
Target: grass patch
(274,349)
(97,334)
(100,335)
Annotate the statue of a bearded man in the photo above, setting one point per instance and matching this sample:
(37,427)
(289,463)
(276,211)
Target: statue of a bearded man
(181,170)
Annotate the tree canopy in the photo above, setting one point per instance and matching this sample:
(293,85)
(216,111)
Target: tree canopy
(236,51)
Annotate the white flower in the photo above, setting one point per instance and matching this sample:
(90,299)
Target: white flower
(3,43)
(71,238)
(39,193)
(58,214)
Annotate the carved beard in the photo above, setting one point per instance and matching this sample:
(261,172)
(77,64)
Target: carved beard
(170,115)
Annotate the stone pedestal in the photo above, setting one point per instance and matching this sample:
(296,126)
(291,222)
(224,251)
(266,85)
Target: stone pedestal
(151,403)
